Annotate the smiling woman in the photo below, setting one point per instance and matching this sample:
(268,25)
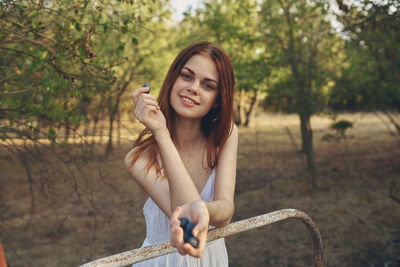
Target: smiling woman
(185,159)
(195,92)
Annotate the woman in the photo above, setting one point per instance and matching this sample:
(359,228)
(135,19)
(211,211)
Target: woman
(185,159)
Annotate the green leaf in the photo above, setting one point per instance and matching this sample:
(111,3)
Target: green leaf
(105,26)
(77,93)
(51,133)
(135,41)
(77,26)
(121,47)
(84,118)
(5,102)
(64,115)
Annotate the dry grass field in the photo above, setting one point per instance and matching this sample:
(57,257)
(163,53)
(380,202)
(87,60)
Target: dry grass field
(63,216)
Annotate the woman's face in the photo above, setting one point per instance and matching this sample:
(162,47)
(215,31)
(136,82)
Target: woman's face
(195,91)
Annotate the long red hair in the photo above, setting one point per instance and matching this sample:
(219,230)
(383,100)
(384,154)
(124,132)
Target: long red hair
(216,124)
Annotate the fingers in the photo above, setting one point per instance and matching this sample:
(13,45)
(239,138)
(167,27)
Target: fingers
(191,250)
(138,92)
(144,103)
(142,96)
(202,245)
(194,252)
(199,231)
(176,236)
(175,214)
(176,232)
(201,225)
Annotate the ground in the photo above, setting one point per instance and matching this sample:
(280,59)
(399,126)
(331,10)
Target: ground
(93,209)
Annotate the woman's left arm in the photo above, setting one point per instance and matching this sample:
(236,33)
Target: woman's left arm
(222,207)
(218,212)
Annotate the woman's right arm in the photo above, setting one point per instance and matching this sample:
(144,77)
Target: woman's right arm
(179,187)
(155,187)
(148,112)
(179,191)
(158,189)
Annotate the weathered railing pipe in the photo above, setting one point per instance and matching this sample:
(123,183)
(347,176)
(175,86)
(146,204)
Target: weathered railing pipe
(141,254)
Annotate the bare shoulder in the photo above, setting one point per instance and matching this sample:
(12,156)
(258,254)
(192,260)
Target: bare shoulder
(137,167)
(235,132)
(227,155)
(148,180)
(233,137)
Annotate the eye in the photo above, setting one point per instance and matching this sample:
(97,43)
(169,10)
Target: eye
(209,86)
(186,76)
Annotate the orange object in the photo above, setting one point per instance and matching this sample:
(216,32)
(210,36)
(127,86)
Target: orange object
(3,262)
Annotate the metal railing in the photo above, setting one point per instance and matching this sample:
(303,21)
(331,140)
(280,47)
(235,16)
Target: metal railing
(141,254)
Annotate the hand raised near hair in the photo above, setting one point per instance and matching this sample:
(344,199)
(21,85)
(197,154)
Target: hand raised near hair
(147,110)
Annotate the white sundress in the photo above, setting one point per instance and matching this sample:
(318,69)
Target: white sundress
(157,231)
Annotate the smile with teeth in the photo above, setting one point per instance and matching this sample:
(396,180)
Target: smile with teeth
(188,100)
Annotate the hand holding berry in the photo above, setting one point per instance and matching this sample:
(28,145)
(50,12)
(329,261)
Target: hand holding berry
(192,219)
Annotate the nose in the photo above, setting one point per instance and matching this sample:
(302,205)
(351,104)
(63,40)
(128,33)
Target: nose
(193,89)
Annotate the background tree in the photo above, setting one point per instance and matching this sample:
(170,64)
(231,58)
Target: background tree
(232,25)
(302,38)
(145,50)
(370,77)
(65,65)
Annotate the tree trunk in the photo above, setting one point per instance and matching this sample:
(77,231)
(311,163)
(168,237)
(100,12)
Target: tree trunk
(119,128)
(304,131)
(249,112)
(307,137)
(242,103)
(101,130)
(94,131)
(113,107)
(109,147)
(111,117)
(239,112)
(67,130)
(392,120)
(303,77)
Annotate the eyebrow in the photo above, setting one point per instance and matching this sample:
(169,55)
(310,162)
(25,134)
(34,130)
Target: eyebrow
(207,79)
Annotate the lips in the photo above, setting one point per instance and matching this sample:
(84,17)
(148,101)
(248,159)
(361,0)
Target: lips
(189,100)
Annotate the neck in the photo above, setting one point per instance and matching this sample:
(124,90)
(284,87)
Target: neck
(188,134)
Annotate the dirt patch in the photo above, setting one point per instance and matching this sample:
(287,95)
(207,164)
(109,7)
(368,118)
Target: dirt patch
(97,211)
